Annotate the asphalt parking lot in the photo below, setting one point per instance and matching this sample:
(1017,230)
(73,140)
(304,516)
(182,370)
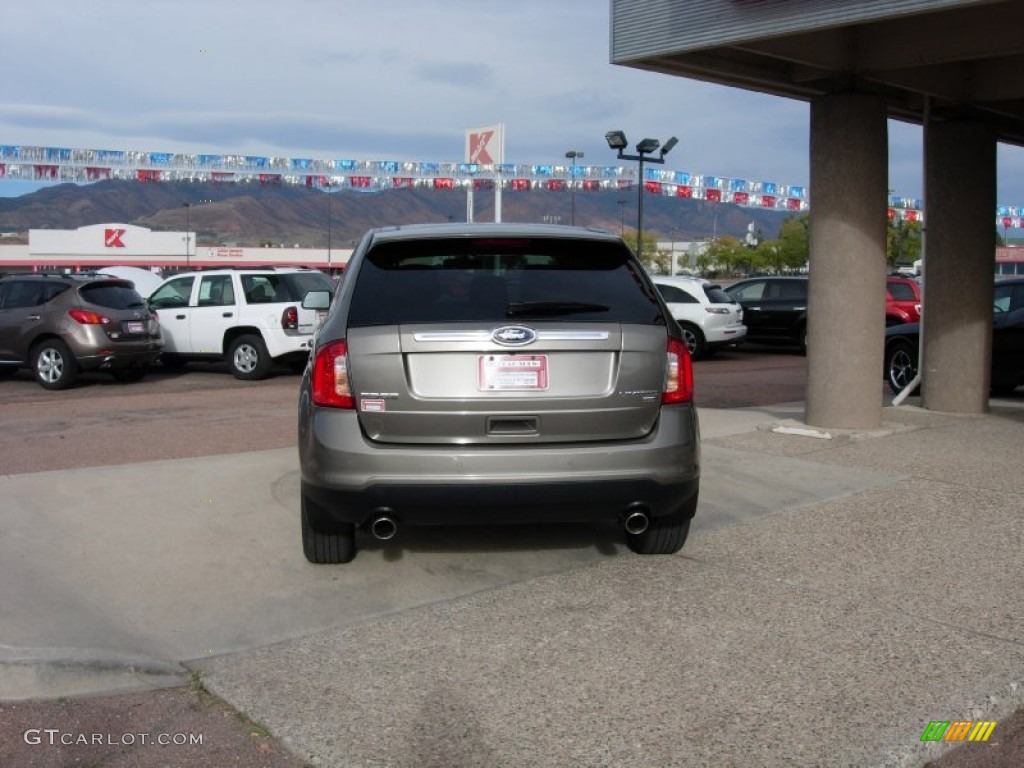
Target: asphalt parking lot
(408,656)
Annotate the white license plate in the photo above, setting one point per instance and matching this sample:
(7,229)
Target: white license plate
(134,326)
(502,373)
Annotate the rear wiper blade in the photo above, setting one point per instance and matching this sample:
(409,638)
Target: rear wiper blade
(552,308)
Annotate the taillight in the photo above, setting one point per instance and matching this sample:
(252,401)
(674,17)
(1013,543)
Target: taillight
(678,374)
(87,317)
(290,318)
(330,377)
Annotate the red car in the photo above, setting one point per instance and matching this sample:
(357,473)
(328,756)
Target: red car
(902,300)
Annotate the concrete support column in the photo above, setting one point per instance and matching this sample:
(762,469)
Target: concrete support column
(959,262)
(846,307)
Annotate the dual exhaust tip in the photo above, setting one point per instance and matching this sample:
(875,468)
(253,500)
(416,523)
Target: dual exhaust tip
(635,520)
(384,527)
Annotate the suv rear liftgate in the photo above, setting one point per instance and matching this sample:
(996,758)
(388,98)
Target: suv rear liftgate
(496,374)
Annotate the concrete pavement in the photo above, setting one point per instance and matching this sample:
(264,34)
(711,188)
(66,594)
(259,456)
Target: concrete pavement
(838,592)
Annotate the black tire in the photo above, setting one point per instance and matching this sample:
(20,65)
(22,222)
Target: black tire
(53,365)
(128,375)
(323,542)
(248,358)
(664,535)
(694,340)
(900,365)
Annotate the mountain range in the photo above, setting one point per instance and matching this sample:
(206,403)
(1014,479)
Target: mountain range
(252,215)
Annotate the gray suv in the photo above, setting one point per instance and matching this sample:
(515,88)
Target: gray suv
(495,373)
(60,325)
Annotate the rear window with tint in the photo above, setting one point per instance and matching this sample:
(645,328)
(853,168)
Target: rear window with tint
(501,280)
(277,287)
(300,283)
(902,292)
(112,295)
(717,296)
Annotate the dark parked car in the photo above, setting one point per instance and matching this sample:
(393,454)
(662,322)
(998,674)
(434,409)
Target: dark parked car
(902,343)
(496,373)
(774,309)
(60,325)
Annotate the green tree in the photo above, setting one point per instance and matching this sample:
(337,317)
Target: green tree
(654,261)
(706,264)
(902,243)
(793,244)
(729,255)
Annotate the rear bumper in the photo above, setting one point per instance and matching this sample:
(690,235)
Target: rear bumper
(287,345)
(351,480)
(720,337)
(105,354)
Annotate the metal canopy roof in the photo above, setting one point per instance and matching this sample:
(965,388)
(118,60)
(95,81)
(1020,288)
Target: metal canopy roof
(966,55)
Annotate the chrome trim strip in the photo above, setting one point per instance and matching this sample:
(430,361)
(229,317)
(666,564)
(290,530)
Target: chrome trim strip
(572,335)
(452,336)
(476,336)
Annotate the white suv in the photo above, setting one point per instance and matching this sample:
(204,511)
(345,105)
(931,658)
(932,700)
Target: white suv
(249,317)
(709,317)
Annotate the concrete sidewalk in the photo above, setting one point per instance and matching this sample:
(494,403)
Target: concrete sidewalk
(838,592)
(826,633)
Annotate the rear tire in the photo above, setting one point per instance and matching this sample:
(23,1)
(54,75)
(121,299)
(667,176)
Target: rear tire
(664,535)
(325,542)
(54,365)
(694,340)
(900,366)
(248,358)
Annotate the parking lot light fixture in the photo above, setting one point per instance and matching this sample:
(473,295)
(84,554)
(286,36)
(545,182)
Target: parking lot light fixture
(617,141)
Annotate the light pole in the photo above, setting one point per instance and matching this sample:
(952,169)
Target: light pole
(617,141)
(572,154)
(188,236)
(328,225)
(622,216)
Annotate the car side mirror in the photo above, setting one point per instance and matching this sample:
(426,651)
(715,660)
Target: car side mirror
(316,300)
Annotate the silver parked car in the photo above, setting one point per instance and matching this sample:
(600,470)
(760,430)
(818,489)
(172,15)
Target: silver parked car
(495,373)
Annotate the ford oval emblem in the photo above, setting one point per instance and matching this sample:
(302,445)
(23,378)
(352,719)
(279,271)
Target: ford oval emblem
(514,335)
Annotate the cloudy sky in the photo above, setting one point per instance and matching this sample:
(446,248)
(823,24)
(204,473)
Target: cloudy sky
(385,80)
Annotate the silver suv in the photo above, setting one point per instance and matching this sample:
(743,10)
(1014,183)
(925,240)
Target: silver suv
(60,325)
(495,373)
